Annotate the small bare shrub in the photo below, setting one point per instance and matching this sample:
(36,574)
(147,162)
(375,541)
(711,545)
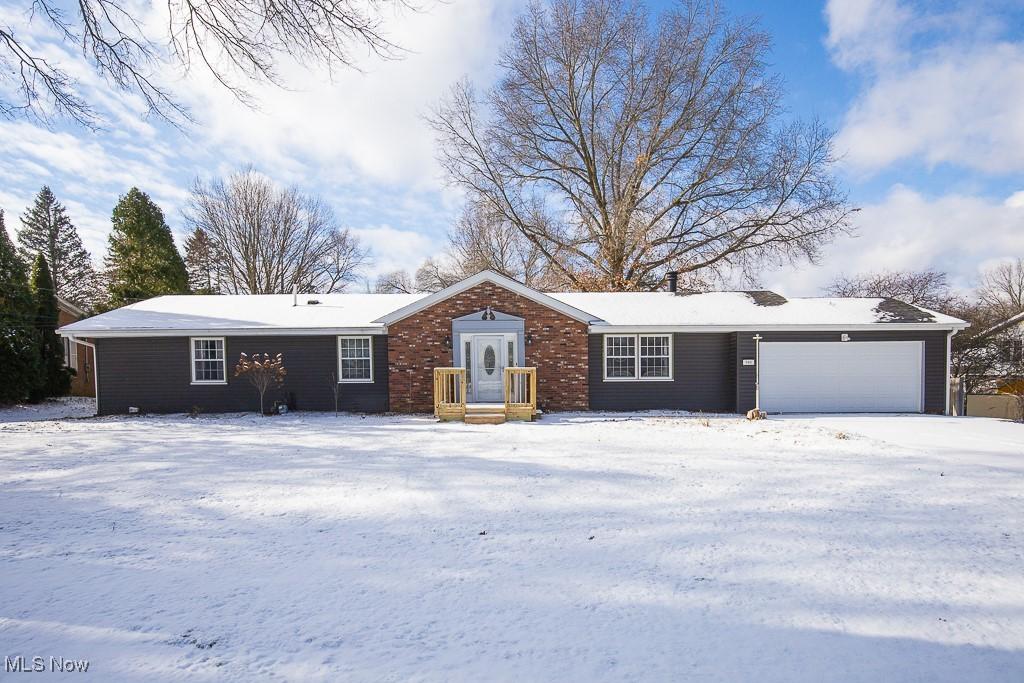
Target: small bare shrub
(261,372)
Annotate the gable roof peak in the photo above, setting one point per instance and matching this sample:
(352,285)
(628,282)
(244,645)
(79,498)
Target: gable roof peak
(495,278)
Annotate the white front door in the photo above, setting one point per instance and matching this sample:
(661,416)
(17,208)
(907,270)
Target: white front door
(488,367)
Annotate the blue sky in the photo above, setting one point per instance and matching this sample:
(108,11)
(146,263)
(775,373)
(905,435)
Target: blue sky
(925,99)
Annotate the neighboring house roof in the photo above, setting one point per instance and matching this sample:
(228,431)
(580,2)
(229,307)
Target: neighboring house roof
(369,313)
(70,308)
(1012,321)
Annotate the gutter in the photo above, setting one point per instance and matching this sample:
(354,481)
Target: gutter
(224,332)
(862,327)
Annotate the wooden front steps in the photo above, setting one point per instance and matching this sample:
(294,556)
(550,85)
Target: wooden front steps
(484,413)
(519,393)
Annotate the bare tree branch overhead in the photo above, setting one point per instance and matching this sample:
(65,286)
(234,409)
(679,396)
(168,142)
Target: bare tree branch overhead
(928,288)
(622,146)
(239,42)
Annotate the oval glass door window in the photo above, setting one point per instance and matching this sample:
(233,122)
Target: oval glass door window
(489,360)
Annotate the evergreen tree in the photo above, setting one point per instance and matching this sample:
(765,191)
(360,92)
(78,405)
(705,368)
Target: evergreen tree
(201,263)
(56,379)
(47,230)
(19,352)
(142,261)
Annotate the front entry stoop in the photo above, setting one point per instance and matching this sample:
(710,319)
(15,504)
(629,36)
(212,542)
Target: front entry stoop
(485,413)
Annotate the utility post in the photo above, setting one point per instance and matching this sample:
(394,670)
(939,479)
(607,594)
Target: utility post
(757,376)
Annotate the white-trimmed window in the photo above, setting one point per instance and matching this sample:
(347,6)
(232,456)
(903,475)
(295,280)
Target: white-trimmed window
(637,357)
(70,353)
(620,357)
(208,366)
(355,359)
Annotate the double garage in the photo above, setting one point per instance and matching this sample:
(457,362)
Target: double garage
(839,377)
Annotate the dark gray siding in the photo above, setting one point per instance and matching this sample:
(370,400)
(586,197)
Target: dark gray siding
(934,360)
(154,374)
(702,378)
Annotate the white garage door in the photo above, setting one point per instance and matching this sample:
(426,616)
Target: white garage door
(841,377)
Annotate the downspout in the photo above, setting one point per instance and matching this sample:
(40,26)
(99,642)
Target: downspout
(95,369)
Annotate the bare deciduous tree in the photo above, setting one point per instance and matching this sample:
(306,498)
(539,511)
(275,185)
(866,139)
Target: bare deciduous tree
(262,373)
(340,266)
(1002,288)
(235,40)
(269,238)
(483,239)
(436,273)
(395,282)
(928,288)
(975,354)
(623,146)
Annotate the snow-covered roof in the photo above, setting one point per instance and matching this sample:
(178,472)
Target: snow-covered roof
(745,309)
(256,313)
(1012,321)
(353,313)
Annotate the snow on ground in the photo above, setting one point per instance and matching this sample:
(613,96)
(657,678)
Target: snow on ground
(50,409)
(580,548)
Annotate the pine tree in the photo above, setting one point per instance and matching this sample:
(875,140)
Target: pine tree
(201,263)
(19,352)
(142,261)
(56,380)
(47,230)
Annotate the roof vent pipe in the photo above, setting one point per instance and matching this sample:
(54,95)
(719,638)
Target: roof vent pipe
(295,295)
(673,281)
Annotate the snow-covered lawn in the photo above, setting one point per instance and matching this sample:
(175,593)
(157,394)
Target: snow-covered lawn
(579,548)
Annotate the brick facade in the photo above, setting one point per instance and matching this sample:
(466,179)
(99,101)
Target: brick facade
(83,383)
(416,345)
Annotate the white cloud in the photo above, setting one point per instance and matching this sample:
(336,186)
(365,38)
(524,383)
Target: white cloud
(359,140)
(86,175)
(943,88)
(1015,200)
(954,233)
(393,249)
(864,31)
(365,124)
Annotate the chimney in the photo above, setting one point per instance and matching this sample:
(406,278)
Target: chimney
(295,295)
(673,281)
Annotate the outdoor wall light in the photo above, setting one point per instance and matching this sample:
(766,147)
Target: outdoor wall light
(448,341)
(529,339)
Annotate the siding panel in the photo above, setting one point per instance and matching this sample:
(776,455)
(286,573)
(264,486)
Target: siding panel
(154,374)
(701,378)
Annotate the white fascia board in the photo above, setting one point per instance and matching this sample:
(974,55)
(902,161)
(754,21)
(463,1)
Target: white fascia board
(494,278)
(862,327)
(227,332)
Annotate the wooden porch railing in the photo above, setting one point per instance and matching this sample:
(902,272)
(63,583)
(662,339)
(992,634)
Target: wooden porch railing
(450,393)
(520,393)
